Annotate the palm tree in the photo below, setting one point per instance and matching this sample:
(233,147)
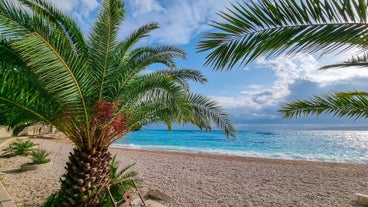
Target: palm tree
(93,89)
(269,28)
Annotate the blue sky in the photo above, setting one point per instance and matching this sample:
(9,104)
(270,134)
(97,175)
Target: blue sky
(252,94)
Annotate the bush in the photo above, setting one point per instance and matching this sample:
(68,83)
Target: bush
(51,200)
(18,147)
(40,156)
(121,182)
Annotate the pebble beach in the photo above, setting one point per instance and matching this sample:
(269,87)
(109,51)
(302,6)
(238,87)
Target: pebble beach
(191,179)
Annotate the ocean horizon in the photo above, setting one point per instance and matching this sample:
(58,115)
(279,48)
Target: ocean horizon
(311,145)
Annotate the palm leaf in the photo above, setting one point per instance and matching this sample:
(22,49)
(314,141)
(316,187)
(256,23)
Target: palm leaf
(145,56)
(182,76)
(52,60)
(165,101)
(125,47)
(342,104)
(122,67)
(266,28)
(103,41)
(205,111)
(9,58)
(64,23)
(137,61)
(26,102)
(356,61)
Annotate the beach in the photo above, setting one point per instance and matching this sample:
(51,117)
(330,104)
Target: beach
(204,180)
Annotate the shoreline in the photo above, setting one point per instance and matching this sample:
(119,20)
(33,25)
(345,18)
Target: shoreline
(232,157)
(194,179)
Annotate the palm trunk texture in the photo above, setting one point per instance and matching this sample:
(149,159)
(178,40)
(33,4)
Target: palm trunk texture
(87,174)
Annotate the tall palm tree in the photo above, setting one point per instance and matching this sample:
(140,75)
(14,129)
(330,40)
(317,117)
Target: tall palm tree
(93,89)
(269,28)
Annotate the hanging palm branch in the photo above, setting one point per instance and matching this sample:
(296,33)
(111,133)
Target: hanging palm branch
(270,28)
(341,104)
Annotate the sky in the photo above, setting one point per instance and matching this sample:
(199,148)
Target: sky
(251,94)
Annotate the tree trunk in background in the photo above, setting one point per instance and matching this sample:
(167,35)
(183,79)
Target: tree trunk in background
(86,175)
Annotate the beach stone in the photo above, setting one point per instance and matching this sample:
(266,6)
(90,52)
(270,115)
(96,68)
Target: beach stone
(362,199)
(149,203)
(158,195)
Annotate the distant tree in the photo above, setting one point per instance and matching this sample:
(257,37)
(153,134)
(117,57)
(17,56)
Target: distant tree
(93,89)
(270,28)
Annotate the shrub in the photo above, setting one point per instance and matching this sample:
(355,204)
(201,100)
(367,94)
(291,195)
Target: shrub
(18,147)
(121,182)
(40,156)
(51,200)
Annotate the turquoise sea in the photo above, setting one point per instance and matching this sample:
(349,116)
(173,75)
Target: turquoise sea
(316,145)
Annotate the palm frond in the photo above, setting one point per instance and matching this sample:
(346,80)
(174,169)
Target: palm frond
(126,46)
(355,61)
(9,58)
(145,56)
(56,74)
(150,87)
(267,28)
(64,23)
(206,111)
(342,104)
(182,76)
(160,99)
(137,61)
(51,58)
(103,41)
(15,21)
(26,102)
(122,67)
(158,112)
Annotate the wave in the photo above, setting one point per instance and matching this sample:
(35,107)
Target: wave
(272,155)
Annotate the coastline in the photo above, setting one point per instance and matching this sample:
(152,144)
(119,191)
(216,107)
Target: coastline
(194,179)
(232,157)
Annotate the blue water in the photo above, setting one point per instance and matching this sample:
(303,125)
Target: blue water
(315,145)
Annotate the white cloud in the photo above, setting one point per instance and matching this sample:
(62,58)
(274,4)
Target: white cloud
(179,20)
(288,71)
(90,4)
(82,10)
(66,5)
(141,7)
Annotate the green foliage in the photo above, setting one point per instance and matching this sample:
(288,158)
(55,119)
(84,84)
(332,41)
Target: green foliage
(121,177)
(121,182)
(20,127)
(18,147)
(270,28)
(40,156)
(51,200)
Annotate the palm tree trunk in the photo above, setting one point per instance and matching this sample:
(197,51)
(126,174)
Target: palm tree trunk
(87,174)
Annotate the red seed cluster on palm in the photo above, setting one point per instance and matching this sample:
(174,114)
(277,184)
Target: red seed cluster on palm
(104,110)
(119,123)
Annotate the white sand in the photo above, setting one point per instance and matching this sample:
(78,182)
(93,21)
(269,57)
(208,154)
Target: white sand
(206,180)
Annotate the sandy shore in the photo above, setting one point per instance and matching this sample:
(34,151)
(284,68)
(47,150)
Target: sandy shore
(206,180)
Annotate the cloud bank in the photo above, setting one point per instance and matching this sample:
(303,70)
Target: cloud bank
(82,10)
(289,72)
(180,21)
